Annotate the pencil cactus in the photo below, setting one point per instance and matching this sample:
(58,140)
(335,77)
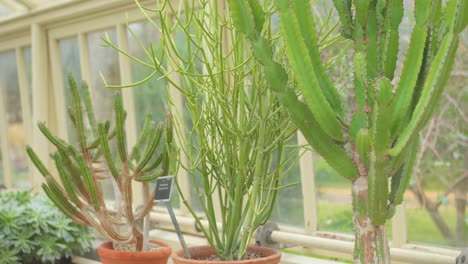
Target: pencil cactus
(377,142)
(81,169)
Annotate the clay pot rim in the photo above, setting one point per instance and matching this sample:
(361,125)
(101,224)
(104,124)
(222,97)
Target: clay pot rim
(178,255)
(106,250)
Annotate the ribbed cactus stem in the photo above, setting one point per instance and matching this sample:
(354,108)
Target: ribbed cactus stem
(370,241)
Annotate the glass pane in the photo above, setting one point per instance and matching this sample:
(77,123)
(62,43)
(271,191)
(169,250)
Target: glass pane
(28,64)
(334,199)
(150,97)
(15,130)
(289,207)
(70,63)
(105,61)
(4,10)
(436,202)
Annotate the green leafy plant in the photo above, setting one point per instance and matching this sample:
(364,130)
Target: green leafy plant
(33,229)
(374,144)
(83,168)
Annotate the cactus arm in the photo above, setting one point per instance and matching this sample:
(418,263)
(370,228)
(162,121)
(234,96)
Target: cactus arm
(360,118)
(441,84)
(153,142)
(411,67)
(258,15)
(358,122)
(304,72)
(79,122)
(320,141)
(149,205)
(301,115)
(400,181)
(377,178)
(168,147)
(119,127)
(362,8)
(37,161)
(344,11)
(305,19)
(89,107)
(150,177)
(242,16)
(363,146)
(442,63)
(60,200)
(89,182)
(59,143)
(67,181)
(108,155)
(382,28)
(154,164)
(71,115)
(277,78)
(143,136)
(371,33)
(394,17)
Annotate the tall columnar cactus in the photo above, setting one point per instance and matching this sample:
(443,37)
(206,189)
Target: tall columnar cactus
(375,145)
(83,168)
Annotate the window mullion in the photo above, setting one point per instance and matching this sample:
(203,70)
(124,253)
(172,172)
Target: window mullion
(5,153)
(309,198)
(40,97)
(399,227)
(58,89)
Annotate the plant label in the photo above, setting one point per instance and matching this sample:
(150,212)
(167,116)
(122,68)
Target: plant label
(164,188)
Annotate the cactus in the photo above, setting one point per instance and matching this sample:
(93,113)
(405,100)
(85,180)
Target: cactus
(82,169)
(379,141)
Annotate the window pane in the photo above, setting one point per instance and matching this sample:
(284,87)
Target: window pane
(289,207)
(4,11)
(150,97)
(15,130)
(70,61)
(334,199)
(28,64)
(105,61)
(436,202)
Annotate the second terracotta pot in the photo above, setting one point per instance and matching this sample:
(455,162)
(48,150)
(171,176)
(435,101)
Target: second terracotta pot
(271,256)
(110,256)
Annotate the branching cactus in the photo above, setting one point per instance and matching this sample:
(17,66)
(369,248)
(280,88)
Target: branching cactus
(374,144)
(82,169)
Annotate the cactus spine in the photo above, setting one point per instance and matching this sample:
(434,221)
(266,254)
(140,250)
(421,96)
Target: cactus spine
(381,132)
(81,170)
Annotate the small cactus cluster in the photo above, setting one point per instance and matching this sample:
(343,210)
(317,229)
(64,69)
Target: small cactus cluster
(375,142)
(81,169)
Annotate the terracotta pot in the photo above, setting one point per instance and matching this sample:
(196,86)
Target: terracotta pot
(109,256)
(272,256)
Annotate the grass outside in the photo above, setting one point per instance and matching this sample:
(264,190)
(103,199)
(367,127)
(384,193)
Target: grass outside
(337,217)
